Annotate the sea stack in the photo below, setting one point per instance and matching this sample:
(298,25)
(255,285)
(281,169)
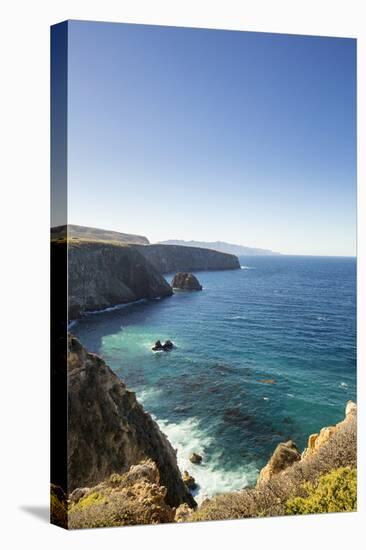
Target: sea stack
(186,281)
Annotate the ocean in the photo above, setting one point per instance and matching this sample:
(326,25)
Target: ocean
(263,354)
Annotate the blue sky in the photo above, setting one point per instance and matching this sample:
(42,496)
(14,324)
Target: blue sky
(214,135)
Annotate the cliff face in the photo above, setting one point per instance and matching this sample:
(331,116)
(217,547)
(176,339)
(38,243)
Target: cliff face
(109,431)
(102,275)
(169,258)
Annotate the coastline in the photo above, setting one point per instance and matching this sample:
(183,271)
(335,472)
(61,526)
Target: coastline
(330,452)
(187,431)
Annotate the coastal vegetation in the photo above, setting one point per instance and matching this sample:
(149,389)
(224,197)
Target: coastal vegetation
(334,492)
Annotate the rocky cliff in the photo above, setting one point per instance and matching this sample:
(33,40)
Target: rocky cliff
(170,258)
(106,268)
(109,431)
(102,275)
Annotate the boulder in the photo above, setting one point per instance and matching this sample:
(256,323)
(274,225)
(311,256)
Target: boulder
(186,281)
(195,458)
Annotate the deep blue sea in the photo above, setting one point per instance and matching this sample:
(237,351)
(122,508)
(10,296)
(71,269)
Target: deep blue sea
(287,319)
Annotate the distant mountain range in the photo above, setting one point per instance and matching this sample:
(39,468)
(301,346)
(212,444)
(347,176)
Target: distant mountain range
(229,248)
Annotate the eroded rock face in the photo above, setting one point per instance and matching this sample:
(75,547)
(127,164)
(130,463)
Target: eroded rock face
(109,431)
(103,275)
(186,281)
(284,456)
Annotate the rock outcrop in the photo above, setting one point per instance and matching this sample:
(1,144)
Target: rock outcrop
(283,457)
(109,431)
(318,440)
(134,498)
(185,281)
(172,258)
(102,275)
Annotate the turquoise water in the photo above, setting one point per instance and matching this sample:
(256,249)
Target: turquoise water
(287,319)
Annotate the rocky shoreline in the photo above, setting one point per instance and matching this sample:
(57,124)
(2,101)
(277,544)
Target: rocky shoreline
(123,470)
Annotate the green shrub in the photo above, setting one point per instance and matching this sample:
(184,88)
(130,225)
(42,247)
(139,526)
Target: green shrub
(334,492)
(90,500)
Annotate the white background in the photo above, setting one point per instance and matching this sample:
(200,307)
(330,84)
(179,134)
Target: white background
(24,270)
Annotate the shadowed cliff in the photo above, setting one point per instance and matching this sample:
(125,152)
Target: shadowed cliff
(168,258)
(106,268)
(109,431)
(102,275)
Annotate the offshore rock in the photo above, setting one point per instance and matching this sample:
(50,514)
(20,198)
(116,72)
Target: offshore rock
(186,281)
(167,346)
(195,458)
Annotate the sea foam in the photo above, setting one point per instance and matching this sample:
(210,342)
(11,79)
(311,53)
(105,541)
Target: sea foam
(188,437)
